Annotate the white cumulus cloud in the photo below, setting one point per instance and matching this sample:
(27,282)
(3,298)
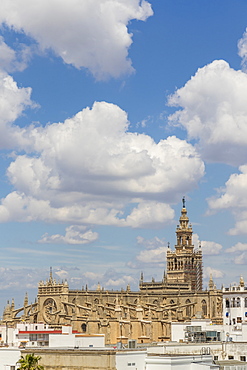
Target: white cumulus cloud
(208,247)
(87,34)
(157,255)
(214,111)
(239,247)
(71,179)
(232,197)
(74,235)
(214,272)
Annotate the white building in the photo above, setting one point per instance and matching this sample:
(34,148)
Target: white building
(154,358)
(8,358)
(40,335)
(235,305)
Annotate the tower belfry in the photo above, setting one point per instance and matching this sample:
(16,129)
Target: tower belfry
(184,265)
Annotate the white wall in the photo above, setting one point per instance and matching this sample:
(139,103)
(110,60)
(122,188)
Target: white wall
(178,363)
(61,340)
(8,356)
(90,341)
(135,358)
(74,340)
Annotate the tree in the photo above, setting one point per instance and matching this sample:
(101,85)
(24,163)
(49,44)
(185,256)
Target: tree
(30,362)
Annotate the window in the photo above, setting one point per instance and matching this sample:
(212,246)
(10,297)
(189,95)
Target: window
(188,308)
(204,307)
(216,358)
(238,302)
(239,319)
(242,358)
(84,328)
(245,302)
(227,303)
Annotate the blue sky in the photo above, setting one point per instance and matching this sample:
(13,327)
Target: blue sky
(111,112)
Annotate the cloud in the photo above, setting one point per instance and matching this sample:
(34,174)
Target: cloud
(74,235)
(93,276)
(69,180)
(241,259)
(242,50)
(14,60)
(237,248)
(232,197)
(21,278)
(62,274)
(157,255)
(214,272)
(151,243)
(13,101)
(110,279)
(94,34)
(150,214)
(214,111)
(154,252)
(208,248)
(120,282)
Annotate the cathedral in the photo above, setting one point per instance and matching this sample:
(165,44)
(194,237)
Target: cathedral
(144,315)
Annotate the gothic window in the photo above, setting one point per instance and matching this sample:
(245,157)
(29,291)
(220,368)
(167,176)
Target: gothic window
(228,303)
(84,328)
(188,308)
(204,307)
(96,301)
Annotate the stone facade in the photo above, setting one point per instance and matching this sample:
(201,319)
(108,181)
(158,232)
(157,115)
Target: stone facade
(75,359)
(144,315)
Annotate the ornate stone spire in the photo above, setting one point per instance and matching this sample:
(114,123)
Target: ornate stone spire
(211,283)
(241,282)
(26,300)
(184,231)
(51,278)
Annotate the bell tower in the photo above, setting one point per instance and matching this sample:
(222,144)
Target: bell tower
(184,265)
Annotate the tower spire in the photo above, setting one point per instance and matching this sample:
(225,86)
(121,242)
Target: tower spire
(185,264)
(51,278)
